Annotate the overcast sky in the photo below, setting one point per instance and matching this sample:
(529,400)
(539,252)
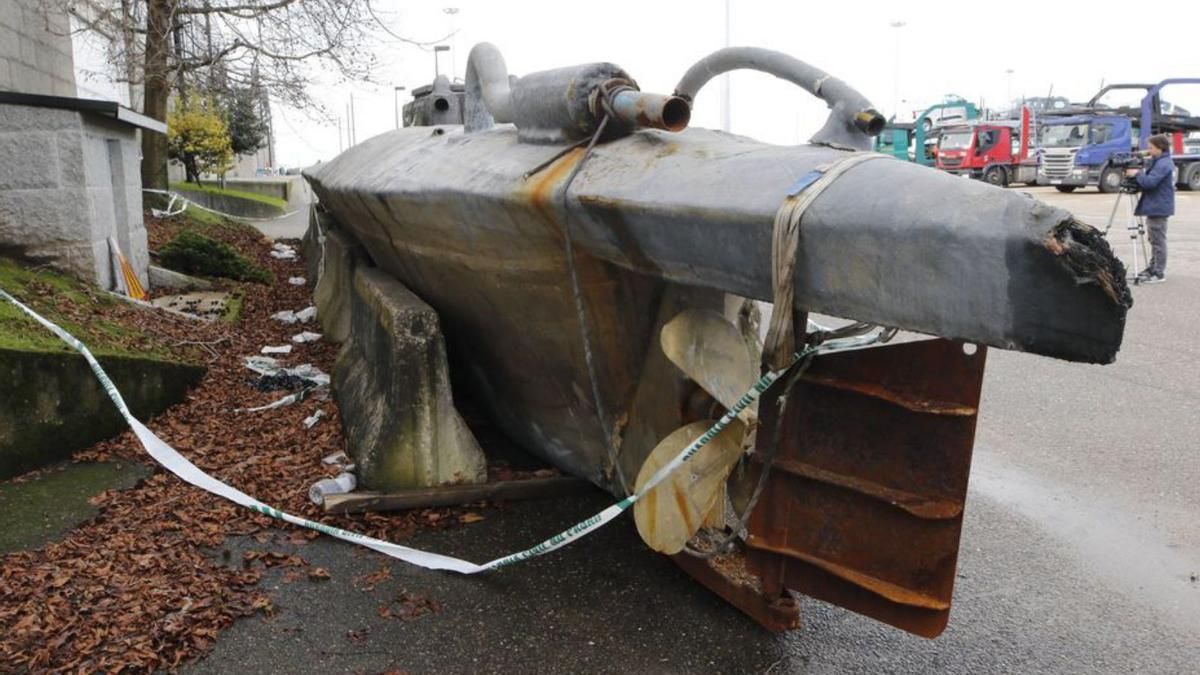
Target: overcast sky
(963,48)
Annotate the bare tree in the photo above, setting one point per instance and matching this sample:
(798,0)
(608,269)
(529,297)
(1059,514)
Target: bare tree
(200,44)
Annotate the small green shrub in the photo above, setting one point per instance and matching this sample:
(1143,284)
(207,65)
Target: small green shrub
(193,253)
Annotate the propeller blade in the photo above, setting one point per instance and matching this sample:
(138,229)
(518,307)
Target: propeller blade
(670,514)
(711,351)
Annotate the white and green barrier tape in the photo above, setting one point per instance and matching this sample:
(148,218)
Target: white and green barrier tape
(177,464)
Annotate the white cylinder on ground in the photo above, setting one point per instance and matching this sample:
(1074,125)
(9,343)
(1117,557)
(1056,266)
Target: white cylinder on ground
(339,485)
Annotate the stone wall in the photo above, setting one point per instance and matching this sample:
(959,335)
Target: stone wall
(281,187)
(54,405)
(229,204)
(68,182)
(34,60)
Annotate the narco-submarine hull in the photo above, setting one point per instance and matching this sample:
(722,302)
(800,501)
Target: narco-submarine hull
(671,233)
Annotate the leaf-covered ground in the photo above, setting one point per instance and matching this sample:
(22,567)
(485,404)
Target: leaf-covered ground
(139,587)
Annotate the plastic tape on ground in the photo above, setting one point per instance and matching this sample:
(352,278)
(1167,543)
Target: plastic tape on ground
(177,464)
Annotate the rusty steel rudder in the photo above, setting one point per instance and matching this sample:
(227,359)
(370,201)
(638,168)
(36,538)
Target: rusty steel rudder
(864,503)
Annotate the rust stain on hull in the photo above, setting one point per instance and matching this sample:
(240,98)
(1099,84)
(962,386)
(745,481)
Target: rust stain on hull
(542,185)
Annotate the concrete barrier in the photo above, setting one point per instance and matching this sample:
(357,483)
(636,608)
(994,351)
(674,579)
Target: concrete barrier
(334,284)
(391,383)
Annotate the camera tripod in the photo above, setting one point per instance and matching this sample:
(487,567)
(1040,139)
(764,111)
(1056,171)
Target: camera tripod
(1136,228)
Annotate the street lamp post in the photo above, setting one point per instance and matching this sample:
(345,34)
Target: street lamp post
(399,89)
(437,49)
(1008,92)
(452,12)
(726,84)
(897,25)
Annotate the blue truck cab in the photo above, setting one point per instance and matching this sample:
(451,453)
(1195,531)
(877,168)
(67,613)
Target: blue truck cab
(1075,150)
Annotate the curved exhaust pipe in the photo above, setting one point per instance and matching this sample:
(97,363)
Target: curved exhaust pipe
(488,89)
(852,120)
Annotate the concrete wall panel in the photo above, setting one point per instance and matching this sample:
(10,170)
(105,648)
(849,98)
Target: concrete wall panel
(39,170)
(35,58)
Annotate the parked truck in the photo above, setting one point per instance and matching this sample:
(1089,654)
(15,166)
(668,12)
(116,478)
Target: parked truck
(929,125)
(1076,149)
(996,151)
(916,141)
(896,140)
(1158,116)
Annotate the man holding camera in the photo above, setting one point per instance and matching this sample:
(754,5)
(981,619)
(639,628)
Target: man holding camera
(1157,182)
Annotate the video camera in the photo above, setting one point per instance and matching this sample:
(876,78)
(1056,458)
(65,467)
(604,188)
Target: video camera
(1128,160)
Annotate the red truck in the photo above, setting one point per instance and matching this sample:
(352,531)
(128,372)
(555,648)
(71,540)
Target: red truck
(996,151)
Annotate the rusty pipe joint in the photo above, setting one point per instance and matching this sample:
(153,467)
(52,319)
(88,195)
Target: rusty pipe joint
(634,109)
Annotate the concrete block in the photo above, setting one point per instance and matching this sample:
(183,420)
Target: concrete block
(60,28)
(43,58)
(28,49)
(280,187)
(10,42)
(95,161)
(138,253)
(101,217)
(68,145)
(35,217)
(101,268)
(392,386)
(10,16)
(161,277)
(30,118)
(60,87)
(335,284)
(29,80)
(28,160)
(229,204)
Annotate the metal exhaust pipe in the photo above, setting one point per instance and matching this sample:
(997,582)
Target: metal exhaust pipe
(655,111)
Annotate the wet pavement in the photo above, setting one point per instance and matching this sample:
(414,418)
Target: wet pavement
(46,504)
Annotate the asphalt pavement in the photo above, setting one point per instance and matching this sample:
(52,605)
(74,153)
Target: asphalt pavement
(1080,548)
(295,221)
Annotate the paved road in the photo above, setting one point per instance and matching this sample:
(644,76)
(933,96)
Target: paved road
(292,225)
(1080,553)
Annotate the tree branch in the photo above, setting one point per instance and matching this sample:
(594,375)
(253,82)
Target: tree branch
(251,10)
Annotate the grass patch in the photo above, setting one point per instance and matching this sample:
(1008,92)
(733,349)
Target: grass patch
(193,253)
(203,217)
(233,309)
(70,303)
(278,203)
